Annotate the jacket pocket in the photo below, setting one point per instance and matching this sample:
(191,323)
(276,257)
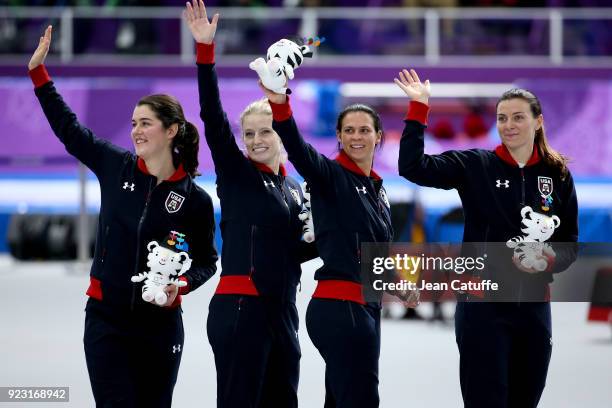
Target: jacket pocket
(351,312)
(104,247)
(239,307)
(252,251)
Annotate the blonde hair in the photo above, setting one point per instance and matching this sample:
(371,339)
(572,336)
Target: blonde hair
(261,107)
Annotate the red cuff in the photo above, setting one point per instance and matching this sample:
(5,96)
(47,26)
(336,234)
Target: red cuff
(281,112)
(39,76)
(205,53)
(183,290)
(418,111)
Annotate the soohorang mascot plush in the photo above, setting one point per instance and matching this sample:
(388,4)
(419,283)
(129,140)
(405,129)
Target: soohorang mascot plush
(166,262)
(537,229)
(306,215)
(284,56)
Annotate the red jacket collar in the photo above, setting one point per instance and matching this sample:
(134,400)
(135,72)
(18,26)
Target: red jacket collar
(266,169)
(178,174)
(502,152)
(345,161)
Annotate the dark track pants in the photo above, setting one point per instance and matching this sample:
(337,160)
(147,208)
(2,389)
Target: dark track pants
(504,352)
(257,352)
(132,358)
(347,335)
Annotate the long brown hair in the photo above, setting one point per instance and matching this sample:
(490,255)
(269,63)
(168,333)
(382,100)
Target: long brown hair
(549,155)
(186,143)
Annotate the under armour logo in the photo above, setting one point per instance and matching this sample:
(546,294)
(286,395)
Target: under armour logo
(506,183)
(361,190)
(130,186)
(176,349)
(269,183)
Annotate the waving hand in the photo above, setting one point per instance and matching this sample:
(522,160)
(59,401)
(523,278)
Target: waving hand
(195,15)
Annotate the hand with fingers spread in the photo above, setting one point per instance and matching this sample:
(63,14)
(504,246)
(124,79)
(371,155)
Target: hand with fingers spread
(412,86)
(43,49)
(196,18)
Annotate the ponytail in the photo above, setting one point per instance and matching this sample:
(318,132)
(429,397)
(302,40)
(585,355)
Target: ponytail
(185,147)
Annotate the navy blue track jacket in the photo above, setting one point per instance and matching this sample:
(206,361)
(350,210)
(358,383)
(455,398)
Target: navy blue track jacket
(134,210)
(493,189)
(348,207)
(260,227)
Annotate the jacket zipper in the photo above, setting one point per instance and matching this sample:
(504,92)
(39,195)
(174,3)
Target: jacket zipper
(520,293)
(280,182)
(381,212)
(138,231)
(522,187)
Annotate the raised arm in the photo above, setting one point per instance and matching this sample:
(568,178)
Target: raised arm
(307,161)
(217,128)
(444,170)
(79,141)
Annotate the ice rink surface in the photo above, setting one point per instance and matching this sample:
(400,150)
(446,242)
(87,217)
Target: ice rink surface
(41,317)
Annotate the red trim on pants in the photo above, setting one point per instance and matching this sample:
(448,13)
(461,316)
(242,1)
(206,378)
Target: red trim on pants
(339,289)
(236,285)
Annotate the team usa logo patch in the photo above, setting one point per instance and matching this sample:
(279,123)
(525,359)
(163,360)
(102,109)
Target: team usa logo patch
(296,196)
(545,187)
(174,202)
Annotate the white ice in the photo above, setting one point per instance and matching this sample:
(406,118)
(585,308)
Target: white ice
(41,331)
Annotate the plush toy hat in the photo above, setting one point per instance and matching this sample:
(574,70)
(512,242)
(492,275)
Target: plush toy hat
(283,57)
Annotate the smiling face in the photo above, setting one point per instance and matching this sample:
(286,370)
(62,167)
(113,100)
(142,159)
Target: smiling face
(516,124)
(149,136)
(359,137)
(263,145)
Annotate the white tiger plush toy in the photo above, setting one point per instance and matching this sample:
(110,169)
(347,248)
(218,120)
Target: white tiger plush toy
(306,215)
(284,56)
(165,266)
(537,228)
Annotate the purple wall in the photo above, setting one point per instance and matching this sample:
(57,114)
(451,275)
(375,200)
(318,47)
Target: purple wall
(578,118)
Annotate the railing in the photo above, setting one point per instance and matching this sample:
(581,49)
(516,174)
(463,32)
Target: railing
(428,36)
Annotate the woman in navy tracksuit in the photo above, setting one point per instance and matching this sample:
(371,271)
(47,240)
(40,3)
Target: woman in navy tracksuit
(349,207)
(133,348)
(522,191)
(253,322)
